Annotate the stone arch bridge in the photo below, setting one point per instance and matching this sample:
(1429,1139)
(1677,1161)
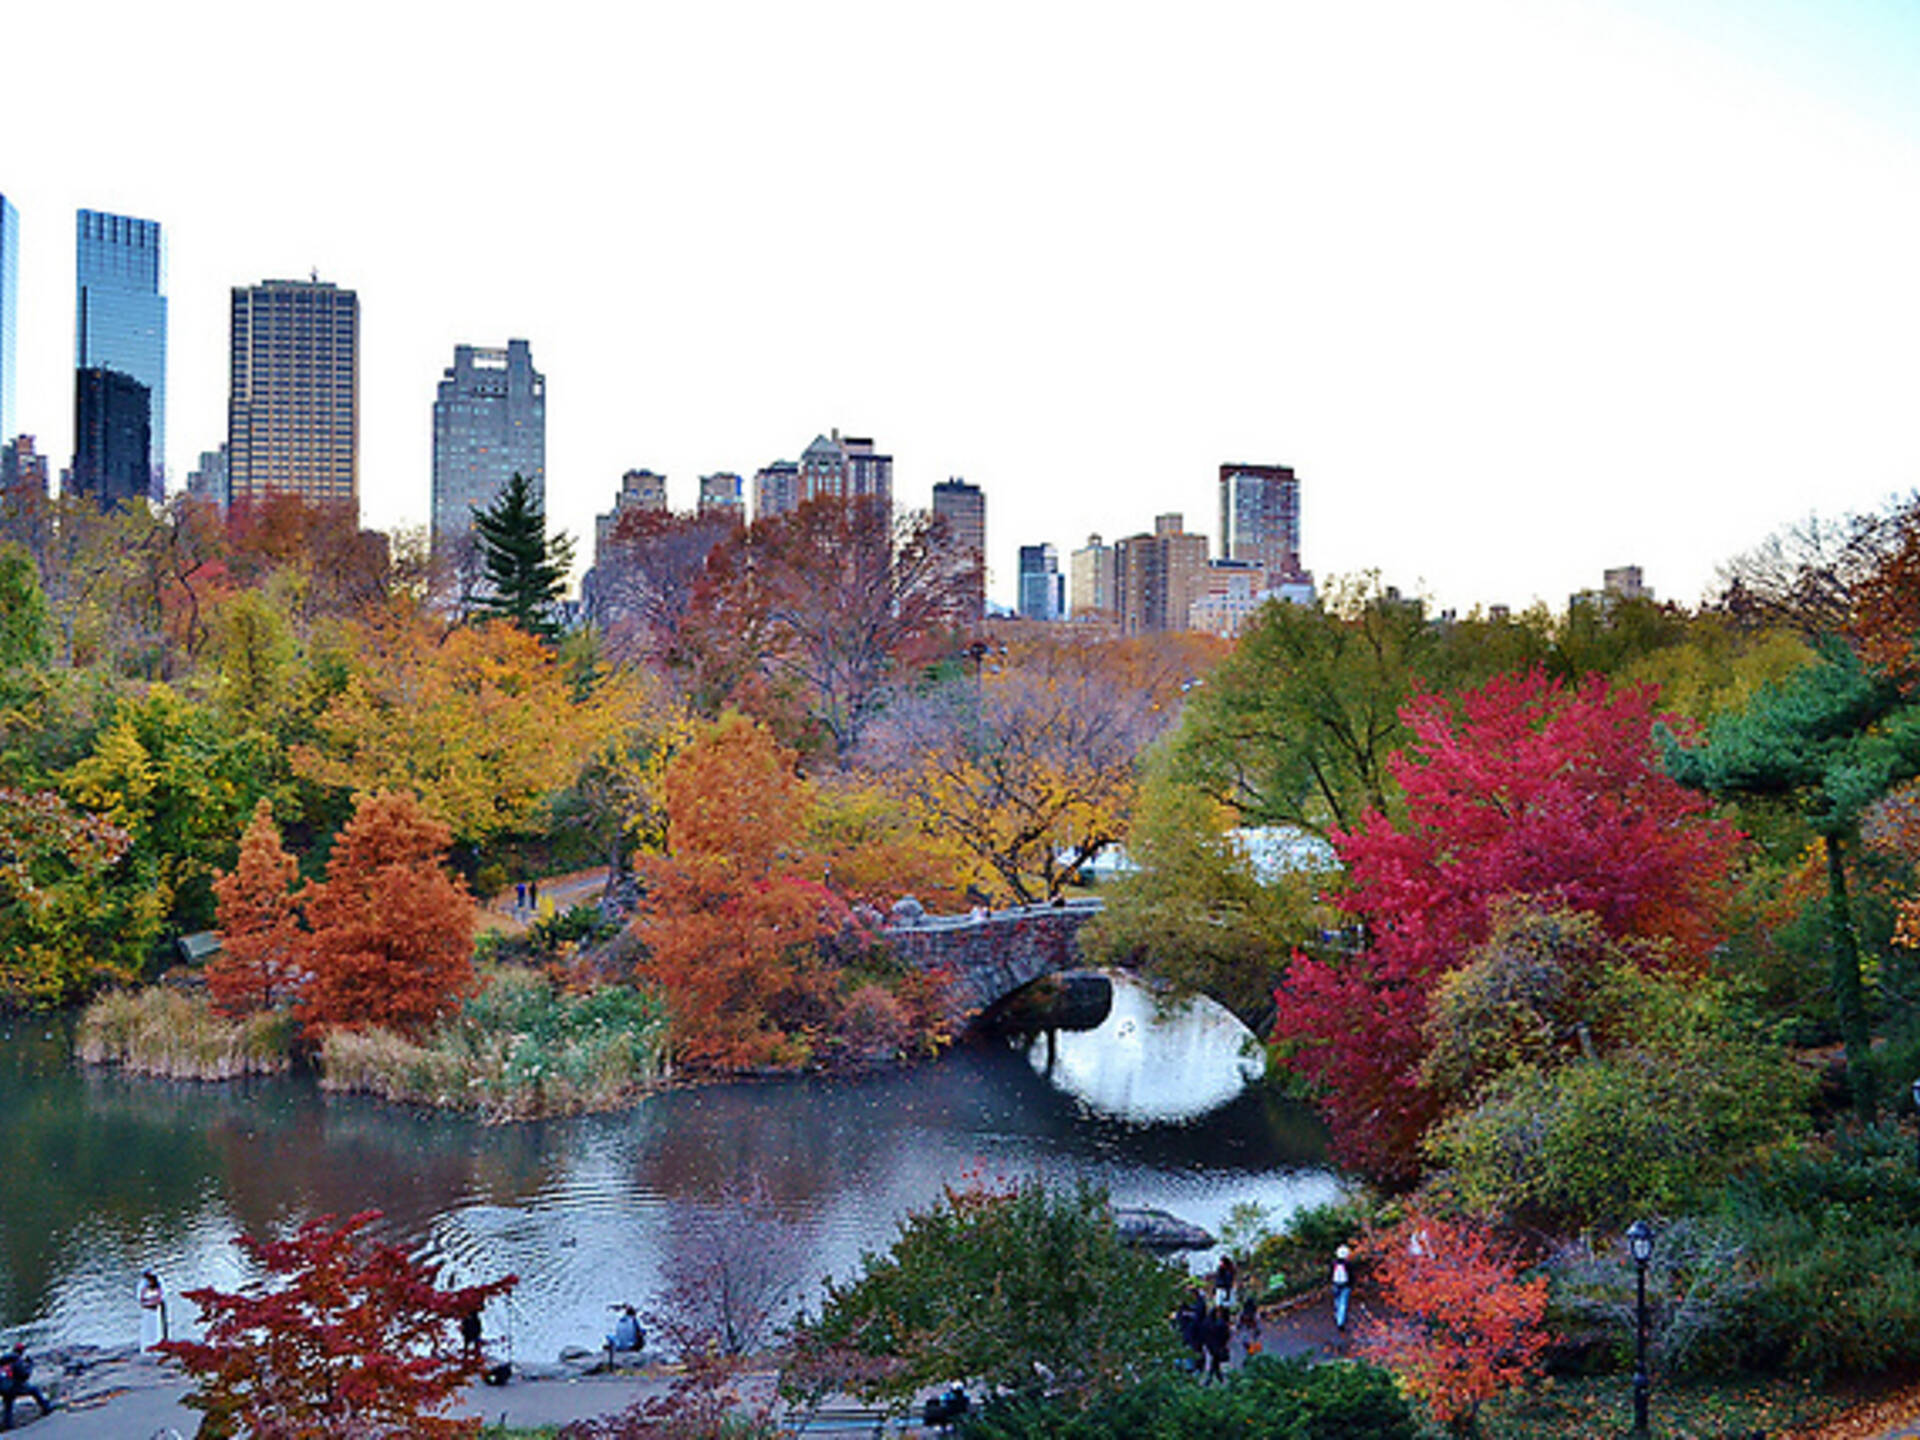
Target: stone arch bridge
(990,954)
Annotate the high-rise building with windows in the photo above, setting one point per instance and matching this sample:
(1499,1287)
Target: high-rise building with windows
(846,469)
(23,465)
(112,439)
(1043,593)
(1157,577)
(776,490)
(9,312)
(489,424)
(1090,583)
(208,480)
(723,493)
(293,400)
(961,510)
(120,326)
(1260,518)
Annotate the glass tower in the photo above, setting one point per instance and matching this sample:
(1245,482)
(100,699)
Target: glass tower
(489,424)
(120,324)
(9,306)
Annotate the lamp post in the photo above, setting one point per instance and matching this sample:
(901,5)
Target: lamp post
(1640,1246)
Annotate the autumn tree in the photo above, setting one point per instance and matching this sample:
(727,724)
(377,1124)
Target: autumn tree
(731,924)
(816,612)
(1885,623)
(1197,910)
(342,1337)
(261,939)
(526,569)
(482,723)
(314,556)
(645,577)
(1461,1323)
(392,931)
(1030,767)
(65,925)
(1522,787)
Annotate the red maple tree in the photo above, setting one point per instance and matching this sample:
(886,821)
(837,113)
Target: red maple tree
(1460,1325)
(346,1337)
(392,930)
(261,940)
(1522,787)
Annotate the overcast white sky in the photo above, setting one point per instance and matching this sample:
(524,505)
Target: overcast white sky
(1522,288)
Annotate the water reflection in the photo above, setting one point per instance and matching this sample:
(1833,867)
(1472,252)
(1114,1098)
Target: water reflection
(107,1174)
(1150,1062)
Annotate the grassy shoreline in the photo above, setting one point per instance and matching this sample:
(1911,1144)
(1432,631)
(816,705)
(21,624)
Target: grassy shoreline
(163,1032)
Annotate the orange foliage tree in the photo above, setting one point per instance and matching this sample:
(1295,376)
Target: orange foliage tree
(392,930)
(261,941)
(732,920)
(1460,1324)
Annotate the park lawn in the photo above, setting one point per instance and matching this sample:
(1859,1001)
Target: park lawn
(1588,1409)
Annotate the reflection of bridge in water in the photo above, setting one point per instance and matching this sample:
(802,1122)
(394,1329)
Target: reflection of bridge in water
(990,954)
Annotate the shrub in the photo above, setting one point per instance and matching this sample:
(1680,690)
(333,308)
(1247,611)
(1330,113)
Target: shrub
(163,1032)
(518,1048)
(1268,1399)
(1300,1257)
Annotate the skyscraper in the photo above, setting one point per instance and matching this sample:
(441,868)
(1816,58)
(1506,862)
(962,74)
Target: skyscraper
(112,438)
(120,325)
(1260,518)
(1043,594)
(293,401)
(9,309)
(1157,577)
(489,424)
(963,509)
(1090,580)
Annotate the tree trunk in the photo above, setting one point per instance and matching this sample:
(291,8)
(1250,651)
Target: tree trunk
(1848,1002)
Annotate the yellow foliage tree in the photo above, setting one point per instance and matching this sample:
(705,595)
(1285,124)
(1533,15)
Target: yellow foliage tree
(482,722)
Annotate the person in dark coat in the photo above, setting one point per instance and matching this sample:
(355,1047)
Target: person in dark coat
(16,1373)
(470,1333)
(1217,1332)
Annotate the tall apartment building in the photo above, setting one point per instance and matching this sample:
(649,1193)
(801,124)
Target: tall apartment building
(846,469)
(723,494)
(22,465)
(120,325)
(489,424)
(1260,518)
(293,397)
(1090,582)
(776,490)
(1157,577)
(1043,589)
(112,438)
(9,313)
(962,510)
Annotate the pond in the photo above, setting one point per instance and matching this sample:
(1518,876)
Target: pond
(107,1174)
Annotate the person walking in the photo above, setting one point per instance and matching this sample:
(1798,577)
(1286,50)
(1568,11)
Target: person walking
(1342,1287)
(16,1379)
(1223,1277)
(153,1310)
(1217,1332)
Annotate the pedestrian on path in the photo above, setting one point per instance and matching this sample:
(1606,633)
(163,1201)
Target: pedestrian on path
(153,1310)
(16,1372)
(1342,1287)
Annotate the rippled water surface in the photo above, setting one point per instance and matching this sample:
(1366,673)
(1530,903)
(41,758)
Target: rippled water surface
(105,1174)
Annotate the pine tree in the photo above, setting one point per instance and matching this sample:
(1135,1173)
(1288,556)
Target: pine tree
(526,568)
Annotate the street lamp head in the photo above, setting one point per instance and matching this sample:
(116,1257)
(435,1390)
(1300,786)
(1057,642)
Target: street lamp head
(1640,1242)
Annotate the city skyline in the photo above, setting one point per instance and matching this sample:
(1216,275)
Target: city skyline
(1521,292)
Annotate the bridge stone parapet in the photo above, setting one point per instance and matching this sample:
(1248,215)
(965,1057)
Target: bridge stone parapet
(988,955)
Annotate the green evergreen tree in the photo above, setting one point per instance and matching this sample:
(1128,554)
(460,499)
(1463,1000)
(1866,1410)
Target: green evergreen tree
(526,568)
(1834,736)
